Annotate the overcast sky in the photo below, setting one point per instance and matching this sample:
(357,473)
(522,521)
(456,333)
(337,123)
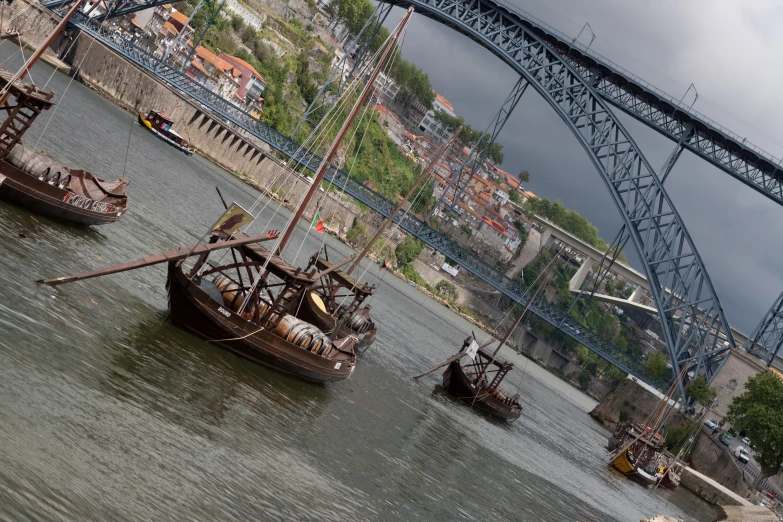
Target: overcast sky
(722,46)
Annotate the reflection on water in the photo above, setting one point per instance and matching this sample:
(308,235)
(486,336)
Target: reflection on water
(107,412)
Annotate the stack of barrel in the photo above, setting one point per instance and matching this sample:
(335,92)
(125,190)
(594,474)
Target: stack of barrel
(293,330)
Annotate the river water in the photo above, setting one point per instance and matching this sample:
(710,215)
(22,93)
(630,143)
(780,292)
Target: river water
(107,412)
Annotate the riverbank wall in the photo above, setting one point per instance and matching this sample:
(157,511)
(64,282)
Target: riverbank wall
(634,402)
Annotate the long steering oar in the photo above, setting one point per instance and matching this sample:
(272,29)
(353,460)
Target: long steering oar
(169,255)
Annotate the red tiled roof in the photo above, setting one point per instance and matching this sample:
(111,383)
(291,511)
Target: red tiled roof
(410,136)
(168,27)
(208,56)
(443,101)
(494,224)
(196,64)
(242,63)
(179,17)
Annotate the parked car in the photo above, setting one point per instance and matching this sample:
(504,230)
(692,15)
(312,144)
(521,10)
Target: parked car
(711,424)
(746,441)
(725,439)
(742,454)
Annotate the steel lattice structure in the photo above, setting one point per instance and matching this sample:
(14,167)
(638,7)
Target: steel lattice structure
(767,339)
(693,321)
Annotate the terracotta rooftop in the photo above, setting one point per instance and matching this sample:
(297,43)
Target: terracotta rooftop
(242,63)
(179,17)
(494,224)
(210,57)
(443,101)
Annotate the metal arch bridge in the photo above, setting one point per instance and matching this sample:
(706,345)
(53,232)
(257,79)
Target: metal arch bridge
(693,321)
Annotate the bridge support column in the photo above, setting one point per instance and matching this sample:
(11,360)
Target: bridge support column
(637,294)
(576,282)
(345,69)
(480,151)
(546,240)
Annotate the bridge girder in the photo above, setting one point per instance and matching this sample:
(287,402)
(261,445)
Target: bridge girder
(692,318)
(116,8)
(767,339)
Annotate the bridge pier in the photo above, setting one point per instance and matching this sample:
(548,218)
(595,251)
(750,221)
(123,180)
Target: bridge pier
(581,274)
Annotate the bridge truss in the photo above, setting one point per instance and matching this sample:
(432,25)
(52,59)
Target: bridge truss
(694,325)
(767,339)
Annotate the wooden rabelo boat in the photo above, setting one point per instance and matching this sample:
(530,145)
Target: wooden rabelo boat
(226,305)
(248,304)
(640,447)
(160,125)
(640,456)
(34,181)
(477,382)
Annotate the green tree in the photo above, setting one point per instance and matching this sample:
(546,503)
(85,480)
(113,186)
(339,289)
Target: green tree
(759,413)
(655,365)
(515,197)
(408,250)
(447,288)
(701,392)
(524,175)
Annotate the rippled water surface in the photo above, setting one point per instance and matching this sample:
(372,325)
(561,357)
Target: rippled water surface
(107,412)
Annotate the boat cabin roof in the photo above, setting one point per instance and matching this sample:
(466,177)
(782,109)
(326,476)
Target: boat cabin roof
(19,88)
(277,265)
(344,279)
(163,116)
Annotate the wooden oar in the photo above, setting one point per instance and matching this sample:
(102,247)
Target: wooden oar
(169,255)
(450,360)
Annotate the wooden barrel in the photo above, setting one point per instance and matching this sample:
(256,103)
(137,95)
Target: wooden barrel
(233,295)
(285,325)
(318,301)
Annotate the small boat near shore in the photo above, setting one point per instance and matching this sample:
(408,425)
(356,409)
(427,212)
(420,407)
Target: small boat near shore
(160,125)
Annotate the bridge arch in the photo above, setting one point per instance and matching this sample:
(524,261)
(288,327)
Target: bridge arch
(693,321)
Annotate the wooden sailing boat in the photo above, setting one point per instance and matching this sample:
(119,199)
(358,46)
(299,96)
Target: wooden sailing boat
(248,304)
(344,313)
(33,180)
(640,447)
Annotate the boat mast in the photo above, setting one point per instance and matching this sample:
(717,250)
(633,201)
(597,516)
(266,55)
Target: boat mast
(325,162)
(541,285)
(21,73)
(399,206)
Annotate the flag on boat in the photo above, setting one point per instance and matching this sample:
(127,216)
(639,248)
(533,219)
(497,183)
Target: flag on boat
(382,264)
(234,218)
(318,223)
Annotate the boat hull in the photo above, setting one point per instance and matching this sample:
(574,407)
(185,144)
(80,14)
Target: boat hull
(458,384)
(311,313)
(146,124)
(624,465)
(29,192)
(196,312)
(670,480)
